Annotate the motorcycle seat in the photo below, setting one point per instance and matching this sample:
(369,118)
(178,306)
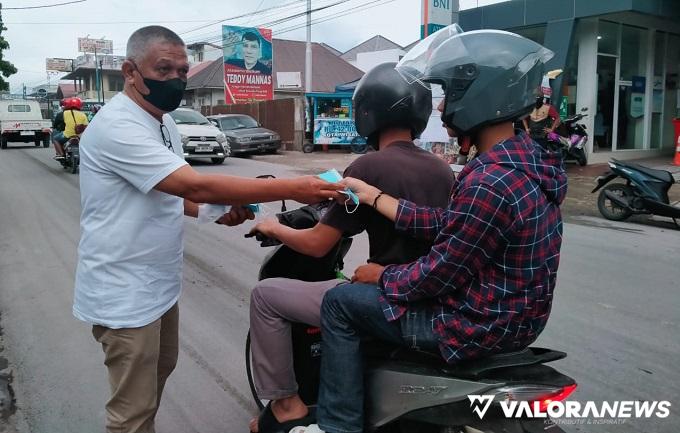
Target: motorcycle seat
(661,175)
(479,367)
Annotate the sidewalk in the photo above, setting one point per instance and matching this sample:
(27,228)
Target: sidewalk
(311,163)
(579,202)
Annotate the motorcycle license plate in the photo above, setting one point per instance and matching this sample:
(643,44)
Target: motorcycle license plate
(203,149)
(27,133)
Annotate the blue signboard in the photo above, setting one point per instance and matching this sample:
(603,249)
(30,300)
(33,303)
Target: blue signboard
(638,84)
(336,131)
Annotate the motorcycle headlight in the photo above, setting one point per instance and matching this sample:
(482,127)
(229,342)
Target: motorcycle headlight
(185,139)
(221,138)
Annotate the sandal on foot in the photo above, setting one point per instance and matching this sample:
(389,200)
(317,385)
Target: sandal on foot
(267,422)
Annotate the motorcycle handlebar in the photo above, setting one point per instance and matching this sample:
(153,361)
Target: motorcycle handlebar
(264,240)
(574,118)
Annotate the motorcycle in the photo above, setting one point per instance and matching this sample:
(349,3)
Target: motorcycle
(71,160)
(408,390)
(572,146)
(645,192)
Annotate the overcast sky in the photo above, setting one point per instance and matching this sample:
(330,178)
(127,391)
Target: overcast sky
(35,34)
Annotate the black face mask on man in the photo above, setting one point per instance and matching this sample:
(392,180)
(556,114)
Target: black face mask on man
(166,95)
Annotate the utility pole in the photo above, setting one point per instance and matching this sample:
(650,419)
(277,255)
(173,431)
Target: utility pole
(308,50)
(101,78)
(96,70)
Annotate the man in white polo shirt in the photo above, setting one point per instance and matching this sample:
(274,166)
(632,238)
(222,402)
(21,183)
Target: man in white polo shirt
(135,188)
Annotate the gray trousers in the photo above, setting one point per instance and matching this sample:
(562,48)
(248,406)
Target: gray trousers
(274,304)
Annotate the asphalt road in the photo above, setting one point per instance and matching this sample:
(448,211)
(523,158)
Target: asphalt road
(616,311)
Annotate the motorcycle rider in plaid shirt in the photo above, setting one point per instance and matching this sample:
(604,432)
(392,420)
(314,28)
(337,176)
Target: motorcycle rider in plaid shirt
(487,284)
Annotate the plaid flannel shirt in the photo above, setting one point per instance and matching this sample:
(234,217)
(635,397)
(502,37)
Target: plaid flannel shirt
(490,274)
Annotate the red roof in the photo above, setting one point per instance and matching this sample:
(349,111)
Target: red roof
(195,69)
(66,90)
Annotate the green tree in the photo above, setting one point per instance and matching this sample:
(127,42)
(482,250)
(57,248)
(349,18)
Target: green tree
(6,68)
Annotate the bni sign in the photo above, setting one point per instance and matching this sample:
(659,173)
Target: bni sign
(437,14)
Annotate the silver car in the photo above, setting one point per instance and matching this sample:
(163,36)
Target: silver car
(245,135)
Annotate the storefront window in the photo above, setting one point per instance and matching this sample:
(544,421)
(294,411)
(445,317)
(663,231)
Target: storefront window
(607,38)
(632,88)
(332,108)
(604,114)
(671,96)
(657,89)
(536,33)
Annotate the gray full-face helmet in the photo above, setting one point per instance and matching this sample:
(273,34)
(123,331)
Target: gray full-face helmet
(488,77)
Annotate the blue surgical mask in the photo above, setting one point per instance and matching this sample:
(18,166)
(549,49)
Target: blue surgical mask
(333,176)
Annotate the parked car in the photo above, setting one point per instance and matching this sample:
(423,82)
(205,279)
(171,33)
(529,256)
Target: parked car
(200,138)
(245,134)
(21,120)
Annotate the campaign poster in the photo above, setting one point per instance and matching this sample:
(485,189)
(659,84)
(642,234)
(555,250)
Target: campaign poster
(248,61)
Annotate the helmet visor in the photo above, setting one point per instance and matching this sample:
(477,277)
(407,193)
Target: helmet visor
(412,66)
(457,61)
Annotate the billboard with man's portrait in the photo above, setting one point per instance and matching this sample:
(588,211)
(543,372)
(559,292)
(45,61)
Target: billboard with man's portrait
(248,61)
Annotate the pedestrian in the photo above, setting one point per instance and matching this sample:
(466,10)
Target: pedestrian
(135,189)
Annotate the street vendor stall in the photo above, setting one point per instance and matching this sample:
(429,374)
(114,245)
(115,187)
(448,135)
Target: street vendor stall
(330,121)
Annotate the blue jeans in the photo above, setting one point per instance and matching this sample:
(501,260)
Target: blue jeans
(349,314)
(59,137)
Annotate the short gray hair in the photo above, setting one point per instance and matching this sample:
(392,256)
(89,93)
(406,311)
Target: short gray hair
(142,38)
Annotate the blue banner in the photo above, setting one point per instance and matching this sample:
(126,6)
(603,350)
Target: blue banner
(336,131)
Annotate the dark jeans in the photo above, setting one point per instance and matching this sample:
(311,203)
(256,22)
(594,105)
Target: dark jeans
(349,314)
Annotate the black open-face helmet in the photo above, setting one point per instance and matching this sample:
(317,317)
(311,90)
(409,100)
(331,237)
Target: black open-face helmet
(488,77)
(383,99)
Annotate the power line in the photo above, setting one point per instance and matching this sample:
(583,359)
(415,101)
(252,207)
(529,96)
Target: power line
(217,38)
(237,17)
(267,14)
(353,10)
(30,72)
(45,6)
(256,11)
(350,11)
(105,22)
(270,12)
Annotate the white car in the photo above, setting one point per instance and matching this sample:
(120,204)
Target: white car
(200,138)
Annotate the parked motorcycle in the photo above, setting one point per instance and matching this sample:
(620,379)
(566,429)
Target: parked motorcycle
(645,192)
(573,146)
(408,390)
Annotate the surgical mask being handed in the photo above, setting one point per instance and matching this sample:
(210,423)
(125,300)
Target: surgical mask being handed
(333,176)
(165,95)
